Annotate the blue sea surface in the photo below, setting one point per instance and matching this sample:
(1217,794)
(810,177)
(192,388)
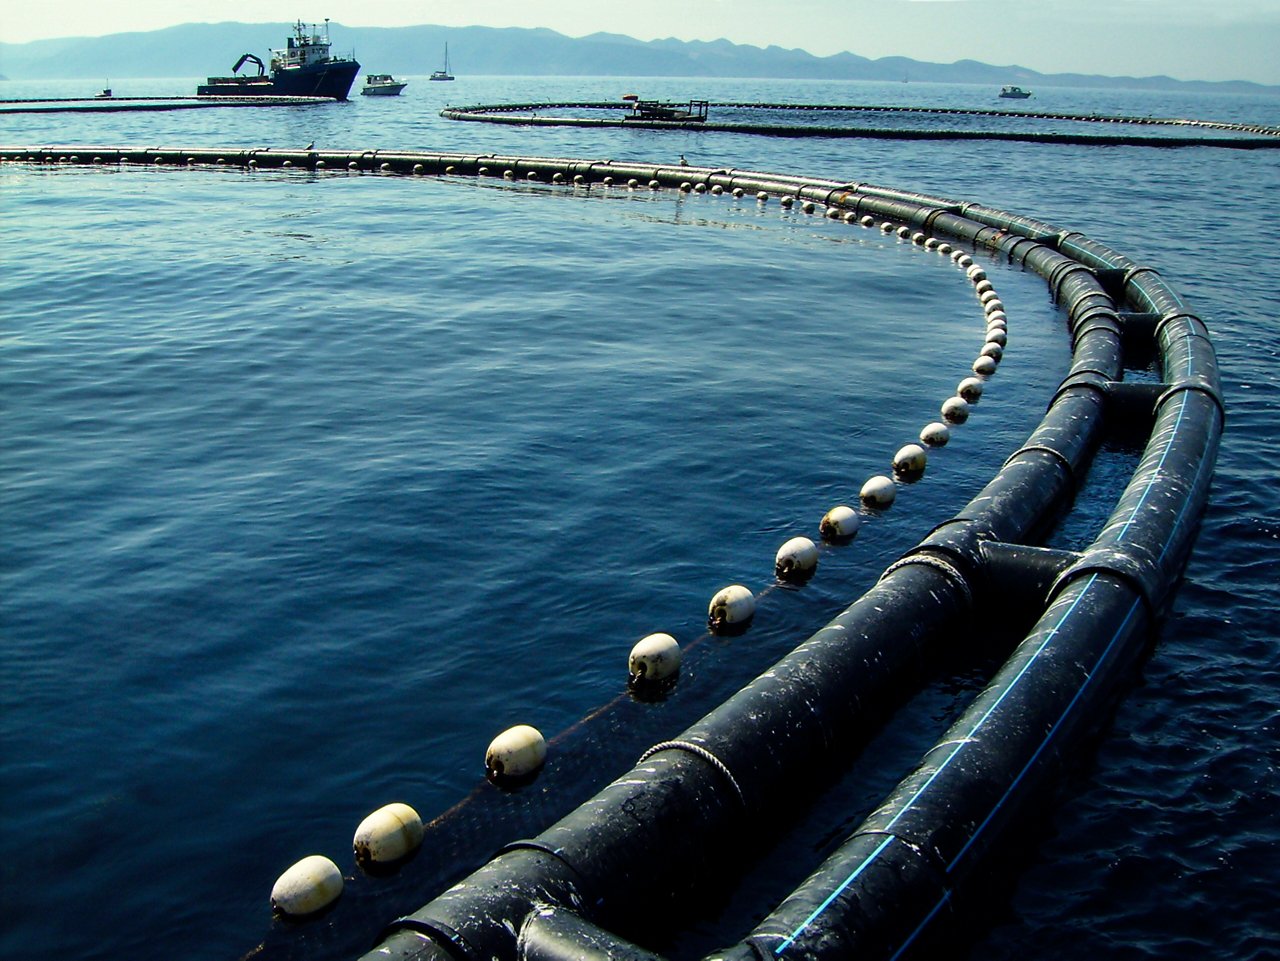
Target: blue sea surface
(311,483)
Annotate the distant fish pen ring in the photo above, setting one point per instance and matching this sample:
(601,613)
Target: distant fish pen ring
(695,116)
(684,811)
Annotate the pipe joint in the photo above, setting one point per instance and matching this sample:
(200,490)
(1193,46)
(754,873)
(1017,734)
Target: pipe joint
(1144,579)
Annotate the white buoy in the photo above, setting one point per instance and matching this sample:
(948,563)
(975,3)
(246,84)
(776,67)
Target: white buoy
(716,189)
(685,187)
(997,335)
(984,366)
(993,306)
(956,255)
(762,197)
(935,434)
(654,659)
(964,261)
(994,351)
(955,410)
(606,181)
(878,492)
(867,220)
(451,169)
(808,206)
(483,172)
(944,248)
(388,834)
(918,237)
(904,231)
(737,192)
(787,201)
(983,287)
(931,243)
(886,226)
(320,165)
(796,560)
(833,213)
(308,886)
(910,461)
(970,389)
(732,608)
(976,273)
(385,166)
(850,217)
(557,177)
(699,188)
(517,752)
(989,297)
(654,184)
(840,524)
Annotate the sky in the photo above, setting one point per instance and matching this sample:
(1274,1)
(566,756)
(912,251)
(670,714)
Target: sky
(1184,39)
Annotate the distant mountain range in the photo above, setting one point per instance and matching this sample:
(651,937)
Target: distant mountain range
(205,49)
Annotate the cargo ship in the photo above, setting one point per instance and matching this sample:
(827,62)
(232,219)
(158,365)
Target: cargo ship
(303,68)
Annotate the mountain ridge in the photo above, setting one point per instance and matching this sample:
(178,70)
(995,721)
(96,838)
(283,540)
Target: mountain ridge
(519,51)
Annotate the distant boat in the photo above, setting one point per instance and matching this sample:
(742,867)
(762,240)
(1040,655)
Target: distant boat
(1014,93)
(303,68)
(443,74)
(382,85)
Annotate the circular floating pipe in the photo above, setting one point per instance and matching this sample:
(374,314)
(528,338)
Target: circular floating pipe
(1035,484)
(1094,608)
(534,115)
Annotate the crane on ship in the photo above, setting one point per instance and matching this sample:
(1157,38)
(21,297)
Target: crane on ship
(245,58)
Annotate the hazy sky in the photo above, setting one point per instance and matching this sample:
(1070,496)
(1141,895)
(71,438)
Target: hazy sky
(1186,39)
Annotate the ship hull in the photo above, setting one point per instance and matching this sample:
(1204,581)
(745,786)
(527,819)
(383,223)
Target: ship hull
(332,79)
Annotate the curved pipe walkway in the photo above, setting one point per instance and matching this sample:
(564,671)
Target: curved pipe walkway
(523,114)
(127,104)
(682,810)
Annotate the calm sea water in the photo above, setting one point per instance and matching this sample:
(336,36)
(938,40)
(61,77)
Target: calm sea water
(309,485)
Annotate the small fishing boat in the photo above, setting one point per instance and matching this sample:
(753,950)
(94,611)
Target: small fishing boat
(443,74)
(695,111)
(382,85)
(1014,93)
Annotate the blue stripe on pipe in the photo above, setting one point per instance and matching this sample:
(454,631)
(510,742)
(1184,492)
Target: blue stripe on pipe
(791,938)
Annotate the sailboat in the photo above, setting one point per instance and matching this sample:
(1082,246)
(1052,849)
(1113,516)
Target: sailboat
(443,74)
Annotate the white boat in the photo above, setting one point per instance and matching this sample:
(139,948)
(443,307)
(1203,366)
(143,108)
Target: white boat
(382,85)
(1014,93)
(443,74)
